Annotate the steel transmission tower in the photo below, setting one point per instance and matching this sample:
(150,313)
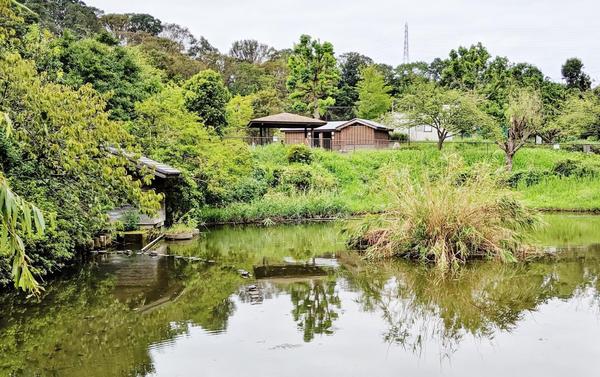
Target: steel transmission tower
(406,58)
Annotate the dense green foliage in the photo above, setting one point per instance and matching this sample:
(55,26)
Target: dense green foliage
(78,85)
(374,99)
(313,76)
(207,96)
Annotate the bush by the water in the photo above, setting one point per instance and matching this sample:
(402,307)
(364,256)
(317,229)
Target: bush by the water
(447,217)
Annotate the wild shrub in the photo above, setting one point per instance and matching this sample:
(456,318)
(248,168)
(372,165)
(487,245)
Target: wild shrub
(446,218)
(527,177)
(297,176)
(299,153)
(398,136)
(300,177)
(130,219)
(577,168)
(565,167)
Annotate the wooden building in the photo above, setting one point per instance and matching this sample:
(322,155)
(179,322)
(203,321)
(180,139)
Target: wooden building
(343,135)
(303,125)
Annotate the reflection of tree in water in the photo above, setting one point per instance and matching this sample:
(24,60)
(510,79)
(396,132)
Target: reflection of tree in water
(314,303)
(421,306)
(82,329)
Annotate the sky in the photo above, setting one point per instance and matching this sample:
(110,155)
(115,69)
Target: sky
(541,32)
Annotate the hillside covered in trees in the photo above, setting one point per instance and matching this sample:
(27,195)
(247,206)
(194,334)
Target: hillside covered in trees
(75,81)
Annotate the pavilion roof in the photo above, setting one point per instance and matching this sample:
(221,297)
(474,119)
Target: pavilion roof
(287,120)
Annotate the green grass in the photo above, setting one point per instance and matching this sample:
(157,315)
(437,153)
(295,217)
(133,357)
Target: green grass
(359,180)
(556,193)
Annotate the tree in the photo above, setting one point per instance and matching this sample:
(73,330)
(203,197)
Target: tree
(579,117)
(60,15)
(266,102)
(123,26)
(244,78)
(251,51)
(207,97)
(523,117)
(313,76)
(239,113)
(572,72)
(143,23)
(465,67)
(109,69)
(406,75)
(350,65)
(449,112)
(373,94)
(214,171)
(59,161)
(168,56)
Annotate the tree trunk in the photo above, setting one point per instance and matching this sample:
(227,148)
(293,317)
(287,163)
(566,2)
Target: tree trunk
(441,134)
(316,114)
(508,157)
(440,143)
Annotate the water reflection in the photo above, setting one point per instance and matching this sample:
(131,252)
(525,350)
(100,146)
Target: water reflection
(143,316)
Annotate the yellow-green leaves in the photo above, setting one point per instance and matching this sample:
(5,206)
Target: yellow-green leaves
(18,218)
(6,124)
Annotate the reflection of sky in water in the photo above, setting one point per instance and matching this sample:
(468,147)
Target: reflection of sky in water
(560,338)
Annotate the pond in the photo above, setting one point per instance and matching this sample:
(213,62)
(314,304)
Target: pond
(138,315)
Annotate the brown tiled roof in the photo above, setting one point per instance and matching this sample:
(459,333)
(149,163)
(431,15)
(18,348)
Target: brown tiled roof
(286,120)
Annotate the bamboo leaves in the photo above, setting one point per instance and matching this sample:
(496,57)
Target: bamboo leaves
(18,218)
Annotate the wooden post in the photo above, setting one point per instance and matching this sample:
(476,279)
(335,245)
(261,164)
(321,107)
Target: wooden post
(306,135)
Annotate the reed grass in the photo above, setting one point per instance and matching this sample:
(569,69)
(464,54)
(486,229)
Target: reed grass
(447,216)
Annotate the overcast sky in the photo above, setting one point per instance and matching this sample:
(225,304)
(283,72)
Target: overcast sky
(541,32)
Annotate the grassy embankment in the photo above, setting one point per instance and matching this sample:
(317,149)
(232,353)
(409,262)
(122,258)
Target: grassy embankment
(336,184)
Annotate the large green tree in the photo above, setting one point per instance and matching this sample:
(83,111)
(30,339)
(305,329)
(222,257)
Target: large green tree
(449,112)
(579,117)
(60,15)
(406,75)
(207,97)
(114,70)
(350,65)
(313,76)
(374,97)
(239,113)
(575,77)
(123,26)
(465,67)
(215,170)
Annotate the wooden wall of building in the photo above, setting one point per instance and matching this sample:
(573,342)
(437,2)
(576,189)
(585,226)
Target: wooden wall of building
(356,134)
(294,137)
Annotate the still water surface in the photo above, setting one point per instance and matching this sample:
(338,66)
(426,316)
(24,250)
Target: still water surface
(161,316)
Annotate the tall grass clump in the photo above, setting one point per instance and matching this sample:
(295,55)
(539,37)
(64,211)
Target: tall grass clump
(446,216)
